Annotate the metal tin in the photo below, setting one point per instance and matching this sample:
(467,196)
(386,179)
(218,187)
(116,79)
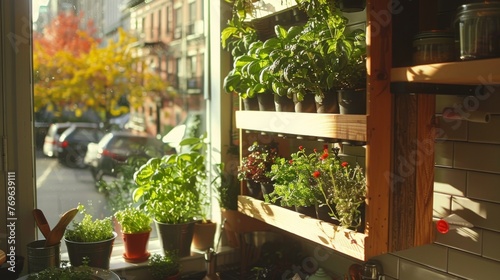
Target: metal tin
(478,27)
(433,46)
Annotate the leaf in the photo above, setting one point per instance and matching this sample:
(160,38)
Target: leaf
(280,32)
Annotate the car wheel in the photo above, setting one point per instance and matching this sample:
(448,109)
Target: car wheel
(97,175)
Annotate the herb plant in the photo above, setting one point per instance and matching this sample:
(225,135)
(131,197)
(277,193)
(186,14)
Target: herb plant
(65,272)
(172,188)
(162,266)
(225,188)
(256,165)
(294,184)
(133,220)
(89,230)
(118,192)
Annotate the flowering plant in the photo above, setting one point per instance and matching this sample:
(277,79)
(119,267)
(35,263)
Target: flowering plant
(320,178)
(256,165)
(294,184)
(343,188)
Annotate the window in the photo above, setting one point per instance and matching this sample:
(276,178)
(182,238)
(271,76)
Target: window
(41,180)
(151,26)
(159,24)
(168,15)
(178,23)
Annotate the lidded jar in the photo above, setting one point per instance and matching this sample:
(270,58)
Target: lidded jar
(319,275)
(433,46)
(478,27)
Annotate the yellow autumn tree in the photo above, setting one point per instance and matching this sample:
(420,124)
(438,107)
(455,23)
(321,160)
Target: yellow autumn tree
(102,79)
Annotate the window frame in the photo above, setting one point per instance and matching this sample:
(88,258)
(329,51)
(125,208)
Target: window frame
(17,125)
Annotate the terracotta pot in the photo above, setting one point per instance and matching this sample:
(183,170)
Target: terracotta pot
(204,234)
(136,244)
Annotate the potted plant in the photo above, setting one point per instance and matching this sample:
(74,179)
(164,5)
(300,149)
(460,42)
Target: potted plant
(136,228)
(164,267)
(237,37)
(172,189)
(255,166)
(351,81)
(343,188)
(65,272)
(294,185)
(90,238)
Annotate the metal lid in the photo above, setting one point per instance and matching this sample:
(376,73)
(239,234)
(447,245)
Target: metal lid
(486,8)
(430,34)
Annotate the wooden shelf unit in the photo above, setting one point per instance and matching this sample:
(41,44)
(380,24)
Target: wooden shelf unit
(472,72)
(326,234)
(332,126)
(395,129)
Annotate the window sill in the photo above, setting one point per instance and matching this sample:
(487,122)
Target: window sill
(226,256)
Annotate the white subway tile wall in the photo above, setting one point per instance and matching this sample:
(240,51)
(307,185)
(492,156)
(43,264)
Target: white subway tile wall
(467,183)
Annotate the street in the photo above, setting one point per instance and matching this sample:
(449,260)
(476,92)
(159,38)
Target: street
(60,188)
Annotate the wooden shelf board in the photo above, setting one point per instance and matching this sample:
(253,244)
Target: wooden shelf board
(342,240)
(472,72)
(333,126)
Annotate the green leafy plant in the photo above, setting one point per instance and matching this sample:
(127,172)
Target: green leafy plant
(294,184)
(172,188)
(225,188)
(118,192)
(162,266)
(133,220)
(89,229)
(64,272)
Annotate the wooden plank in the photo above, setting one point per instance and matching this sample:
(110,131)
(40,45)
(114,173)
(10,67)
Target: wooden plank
(424,227)
(379,129)
(339,239)
(473,72)
(333,126)
(403,192)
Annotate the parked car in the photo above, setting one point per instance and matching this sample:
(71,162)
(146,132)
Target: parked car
(52,138)
(115,148)
(73,142)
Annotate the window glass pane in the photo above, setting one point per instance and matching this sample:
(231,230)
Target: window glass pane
(96,72)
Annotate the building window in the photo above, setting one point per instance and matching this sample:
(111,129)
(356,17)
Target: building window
(151,29)
(159,24)
(192,19)
(168,29)
(178,23)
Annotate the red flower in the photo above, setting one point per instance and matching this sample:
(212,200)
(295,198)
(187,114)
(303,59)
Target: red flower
(345,164)
(325,147)
(324,156)
(301,148)
(315,151)
(316,174)
(290,161)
